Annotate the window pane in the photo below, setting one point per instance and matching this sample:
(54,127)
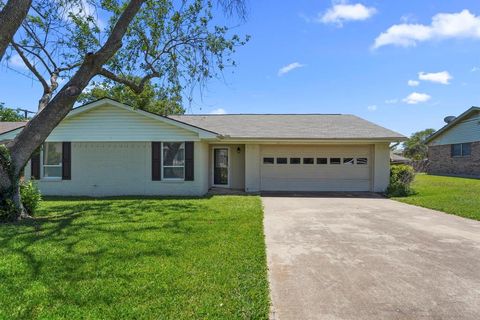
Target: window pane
(456,150)
(52,153)
(173,173)
(52,172)
(322,160)
(307,160)
(466,149)
(362,161)
(173,154)
(281,160)
(294,160)
(335,161)
(268,160)
(347,160)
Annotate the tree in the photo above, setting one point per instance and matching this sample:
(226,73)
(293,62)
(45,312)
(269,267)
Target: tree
(173,42)
(152,98)
(9,115)
(415,147)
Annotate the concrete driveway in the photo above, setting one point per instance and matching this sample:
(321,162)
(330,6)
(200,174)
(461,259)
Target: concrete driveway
(370,258)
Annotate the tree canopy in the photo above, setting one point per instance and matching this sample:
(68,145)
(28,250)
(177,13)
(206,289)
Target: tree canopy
(415,147)
(9,115)
(177,45)
(152,98)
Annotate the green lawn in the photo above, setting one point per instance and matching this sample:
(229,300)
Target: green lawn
(136,259)
(457,196)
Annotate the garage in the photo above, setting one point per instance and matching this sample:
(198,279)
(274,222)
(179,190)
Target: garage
(316,167)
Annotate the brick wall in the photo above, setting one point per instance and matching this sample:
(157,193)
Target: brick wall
(441,162)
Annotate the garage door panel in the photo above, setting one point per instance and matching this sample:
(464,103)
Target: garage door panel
(316,177)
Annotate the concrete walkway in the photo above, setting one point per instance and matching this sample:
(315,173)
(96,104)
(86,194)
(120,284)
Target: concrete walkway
(370,258)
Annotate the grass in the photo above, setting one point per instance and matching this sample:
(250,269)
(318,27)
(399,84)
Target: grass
(136,259)
(458,196)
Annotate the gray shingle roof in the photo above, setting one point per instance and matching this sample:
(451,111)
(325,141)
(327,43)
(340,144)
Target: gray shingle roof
(9,126)
(291,126)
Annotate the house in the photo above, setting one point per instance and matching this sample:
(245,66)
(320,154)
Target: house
(455,148)
(398,159)
(106,148)
(6,127)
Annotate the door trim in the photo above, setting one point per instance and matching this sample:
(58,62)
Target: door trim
(213,167)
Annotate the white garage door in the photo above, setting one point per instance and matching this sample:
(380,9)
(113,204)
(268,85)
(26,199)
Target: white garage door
(315,168)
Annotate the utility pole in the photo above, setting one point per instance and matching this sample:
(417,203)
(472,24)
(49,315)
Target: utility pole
(25,112)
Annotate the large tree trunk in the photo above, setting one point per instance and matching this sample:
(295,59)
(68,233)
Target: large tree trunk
(40,127)
(11,17)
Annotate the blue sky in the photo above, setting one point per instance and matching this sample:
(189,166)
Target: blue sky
(353,57)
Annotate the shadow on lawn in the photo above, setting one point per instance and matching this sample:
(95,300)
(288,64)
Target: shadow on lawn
(72,238)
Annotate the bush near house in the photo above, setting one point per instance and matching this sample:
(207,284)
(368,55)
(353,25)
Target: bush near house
(31,196)
(401,178)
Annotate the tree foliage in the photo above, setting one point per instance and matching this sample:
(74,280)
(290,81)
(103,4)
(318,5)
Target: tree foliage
(9,115)
(152,98)
(415,147)
(177,45)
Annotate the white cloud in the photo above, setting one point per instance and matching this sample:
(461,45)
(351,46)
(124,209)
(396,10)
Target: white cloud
(439,77)
(84,9)
(443,26)
(218,111)
(416,97)
(342,12)
(475,69)
(289,67)
(372,107)
(391,101)
(413,83)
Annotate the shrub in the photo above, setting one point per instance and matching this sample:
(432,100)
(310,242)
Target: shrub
(31,196)
(401,177)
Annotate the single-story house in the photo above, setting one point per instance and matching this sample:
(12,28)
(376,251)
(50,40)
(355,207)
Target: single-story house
(106,148)
(455,148)
(9,126)
(396,158)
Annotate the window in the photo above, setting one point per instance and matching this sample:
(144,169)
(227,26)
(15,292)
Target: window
(362,161)
(335,161)
(173,160)
(307,160)
(52,160)
(294,160)
(322,160)
(348,161)
(268,160)
(281,160)
(461,149)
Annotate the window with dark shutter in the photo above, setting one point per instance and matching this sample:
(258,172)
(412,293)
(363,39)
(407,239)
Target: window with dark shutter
(35,165)
(66,161)
(156,161)
(189,163)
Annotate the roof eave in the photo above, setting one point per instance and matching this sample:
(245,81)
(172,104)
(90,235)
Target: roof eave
(452,124)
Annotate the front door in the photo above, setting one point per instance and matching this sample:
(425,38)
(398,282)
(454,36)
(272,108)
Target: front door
(220,167)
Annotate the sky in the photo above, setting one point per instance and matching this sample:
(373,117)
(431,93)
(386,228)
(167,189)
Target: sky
(403,64)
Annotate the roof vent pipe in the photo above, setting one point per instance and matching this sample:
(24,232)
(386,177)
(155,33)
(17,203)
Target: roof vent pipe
(449,119)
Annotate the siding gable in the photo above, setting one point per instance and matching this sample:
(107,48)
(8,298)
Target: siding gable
(467,130)
(110,123)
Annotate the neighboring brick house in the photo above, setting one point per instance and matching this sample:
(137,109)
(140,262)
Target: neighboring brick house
(455,148)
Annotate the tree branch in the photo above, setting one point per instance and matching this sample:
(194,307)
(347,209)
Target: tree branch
(40,127)
(31,67)
(11,17)
(137,88)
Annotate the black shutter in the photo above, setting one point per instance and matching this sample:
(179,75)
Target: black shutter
(156,161)
(67,161)
(189,173)
(35,165)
